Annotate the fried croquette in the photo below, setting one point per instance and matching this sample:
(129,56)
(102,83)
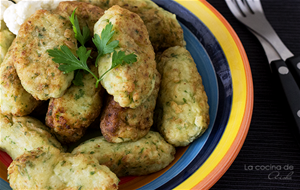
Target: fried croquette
(70,115)
(182,108)
(130,84)
(38,73)
(48,168)
(126,124)
(14,99)
(21,134)
(86,13)
(163,28)
(147,155)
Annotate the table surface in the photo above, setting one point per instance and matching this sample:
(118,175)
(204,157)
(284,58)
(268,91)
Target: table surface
(270,156)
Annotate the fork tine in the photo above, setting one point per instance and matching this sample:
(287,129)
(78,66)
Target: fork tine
(252,15)
(234,9)
(255,5)
(244,8)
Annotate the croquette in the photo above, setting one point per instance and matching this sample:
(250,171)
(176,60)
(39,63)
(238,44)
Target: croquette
(147,155)
(182,109)
(21,134)
(48,168)
(129,84)
(126,124)
(70,115)
(38,73)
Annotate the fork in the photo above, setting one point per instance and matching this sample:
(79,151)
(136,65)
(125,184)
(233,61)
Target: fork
(251,14)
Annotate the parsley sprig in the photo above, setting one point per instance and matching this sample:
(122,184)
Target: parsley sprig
(119,58)
(69,62)
(101,43)
(81,37)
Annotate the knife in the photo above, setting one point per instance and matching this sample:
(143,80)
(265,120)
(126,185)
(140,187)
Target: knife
(287,80)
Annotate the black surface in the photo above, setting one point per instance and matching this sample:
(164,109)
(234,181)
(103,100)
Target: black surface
(269,147)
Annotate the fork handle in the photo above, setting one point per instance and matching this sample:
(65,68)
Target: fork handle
(291,91)
(294,64)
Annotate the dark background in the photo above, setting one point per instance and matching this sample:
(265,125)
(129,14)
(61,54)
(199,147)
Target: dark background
(269,146)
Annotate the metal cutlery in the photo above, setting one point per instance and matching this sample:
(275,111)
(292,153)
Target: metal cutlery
(282,62)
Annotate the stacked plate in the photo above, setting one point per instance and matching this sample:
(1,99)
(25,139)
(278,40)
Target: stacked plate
(223,65)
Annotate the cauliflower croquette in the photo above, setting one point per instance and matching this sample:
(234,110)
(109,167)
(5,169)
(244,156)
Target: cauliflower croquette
(35,170)
(126,124)
(164,30)
(21,134)
(130,84)
(147,155)
(69,115)
(182,107)
(14,99)
(38,73)
(86,13)
(48,168)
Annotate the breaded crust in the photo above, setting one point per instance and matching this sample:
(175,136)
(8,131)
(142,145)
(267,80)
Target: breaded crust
(84,171)
(34,170)
(14,99)
(182,108)
(163,28)
(86,13)
(147,155)
(70,115)
(48,168)
(38,73)
(126,124)
(130,84)
(21,134)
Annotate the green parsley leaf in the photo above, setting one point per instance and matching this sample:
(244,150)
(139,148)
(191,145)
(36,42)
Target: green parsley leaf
(119,58)
(82,38)
(68,62)
(78,78)
(101,43)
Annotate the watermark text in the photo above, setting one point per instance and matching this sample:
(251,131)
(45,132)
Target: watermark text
(276,172)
